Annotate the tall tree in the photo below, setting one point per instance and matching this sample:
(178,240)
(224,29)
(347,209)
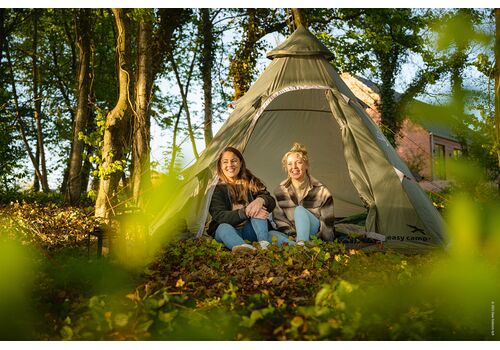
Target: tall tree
(207,60)
(182,87)
(154,43)
(298,18)
(18,114)
(16,98)
(141,178)
(382,40)
(116,122)
(242,65)
(83,110)
(457,37)
(184,96)
(40,177)
(256,23)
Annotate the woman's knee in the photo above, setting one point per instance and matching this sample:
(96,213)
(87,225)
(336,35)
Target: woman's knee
(258,221)
(299,210)
(222,231)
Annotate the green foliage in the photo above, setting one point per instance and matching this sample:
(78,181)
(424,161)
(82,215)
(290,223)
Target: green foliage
(16,279)
(10,151)
(379,42)
(95,140)
(199,290)
(46,199)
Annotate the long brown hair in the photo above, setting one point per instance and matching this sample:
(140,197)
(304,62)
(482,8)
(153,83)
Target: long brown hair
(245,180)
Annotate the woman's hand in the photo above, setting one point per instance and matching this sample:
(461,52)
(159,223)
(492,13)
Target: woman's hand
(254,207)
(262,214)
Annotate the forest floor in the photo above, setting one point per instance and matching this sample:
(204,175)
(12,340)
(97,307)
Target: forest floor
(199,290)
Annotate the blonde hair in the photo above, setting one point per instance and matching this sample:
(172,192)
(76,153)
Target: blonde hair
(300,149)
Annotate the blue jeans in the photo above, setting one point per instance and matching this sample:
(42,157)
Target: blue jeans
(253,230)
(306,224)
(281,238)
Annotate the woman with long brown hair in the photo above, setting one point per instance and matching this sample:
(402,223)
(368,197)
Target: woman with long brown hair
(240,205)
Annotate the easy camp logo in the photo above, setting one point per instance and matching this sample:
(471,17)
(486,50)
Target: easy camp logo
(417,234)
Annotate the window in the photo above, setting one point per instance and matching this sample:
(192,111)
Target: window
(439,162)
(457,153)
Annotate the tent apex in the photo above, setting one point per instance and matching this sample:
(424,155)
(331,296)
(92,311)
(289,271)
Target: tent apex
(301,43)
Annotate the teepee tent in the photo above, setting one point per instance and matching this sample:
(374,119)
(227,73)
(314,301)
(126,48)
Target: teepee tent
(301,98)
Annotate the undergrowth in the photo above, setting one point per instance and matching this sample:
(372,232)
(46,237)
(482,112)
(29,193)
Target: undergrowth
(199,290)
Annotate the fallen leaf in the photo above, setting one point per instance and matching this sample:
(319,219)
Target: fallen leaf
(180,283)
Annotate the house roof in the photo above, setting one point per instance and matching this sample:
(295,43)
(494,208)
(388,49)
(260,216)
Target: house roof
(439,120)
(436,119)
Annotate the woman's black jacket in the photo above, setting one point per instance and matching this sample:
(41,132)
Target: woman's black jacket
(221,207)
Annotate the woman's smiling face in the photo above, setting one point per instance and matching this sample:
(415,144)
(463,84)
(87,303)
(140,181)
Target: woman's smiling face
(230,165)
(296,167)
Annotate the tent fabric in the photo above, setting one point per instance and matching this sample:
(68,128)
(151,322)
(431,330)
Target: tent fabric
(301,98)
(301,45)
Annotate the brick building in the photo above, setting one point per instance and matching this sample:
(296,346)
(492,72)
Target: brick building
(425,142)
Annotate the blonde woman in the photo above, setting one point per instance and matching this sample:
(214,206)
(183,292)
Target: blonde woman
(304,205)
(240,205)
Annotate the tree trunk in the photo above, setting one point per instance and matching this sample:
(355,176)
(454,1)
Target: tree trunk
(171,167)
(184,101)
(38,106)
(116,120)
(19,120)
(242,65)
(497,87)
(459,61)
(141,172)
(298,18)
(176,125)
(74,186)
(387,106)
(206,71)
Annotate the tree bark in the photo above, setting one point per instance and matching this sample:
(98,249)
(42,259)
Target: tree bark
(113,142)
(171,167)
(242,66)
(459,61)
(298,18)
(497,87)
(177,119)
(184,102)
(20,123)
(141,172)
(387,106)
(152,49)
(170,20)
(38,107)
(74,186)
(207,59)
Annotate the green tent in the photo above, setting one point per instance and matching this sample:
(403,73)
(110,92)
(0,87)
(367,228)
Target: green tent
(301,98)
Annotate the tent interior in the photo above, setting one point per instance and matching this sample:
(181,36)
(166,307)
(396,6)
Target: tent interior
(303,116)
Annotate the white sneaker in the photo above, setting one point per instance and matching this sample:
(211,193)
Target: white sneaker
(243,248)
(303,245)
(264,245)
